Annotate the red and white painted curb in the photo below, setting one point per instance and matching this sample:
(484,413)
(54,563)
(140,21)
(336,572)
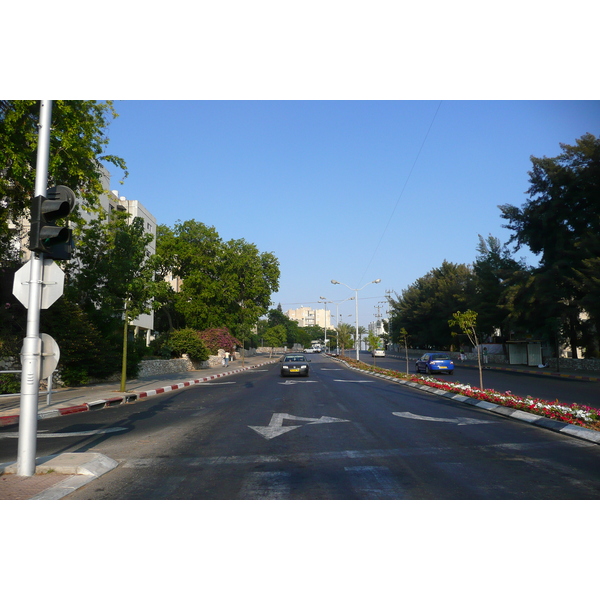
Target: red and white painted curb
(125,399)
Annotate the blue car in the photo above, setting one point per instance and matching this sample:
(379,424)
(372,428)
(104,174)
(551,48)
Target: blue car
(435,362)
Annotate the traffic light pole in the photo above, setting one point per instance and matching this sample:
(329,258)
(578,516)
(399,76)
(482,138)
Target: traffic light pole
(32,344)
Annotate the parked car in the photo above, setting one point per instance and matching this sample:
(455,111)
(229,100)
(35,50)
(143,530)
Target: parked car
(309,350)
(378,352)
(435,362)
(294,364)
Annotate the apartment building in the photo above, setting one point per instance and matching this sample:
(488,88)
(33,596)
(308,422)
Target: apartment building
(306,316)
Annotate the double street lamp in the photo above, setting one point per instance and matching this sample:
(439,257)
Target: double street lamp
(337,316)
(356,298)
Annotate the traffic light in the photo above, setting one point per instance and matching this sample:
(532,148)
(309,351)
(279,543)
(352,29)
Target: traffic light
(45,235)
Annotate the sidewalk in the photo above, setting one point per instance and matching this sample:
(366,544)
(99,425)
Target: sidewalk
(56,476)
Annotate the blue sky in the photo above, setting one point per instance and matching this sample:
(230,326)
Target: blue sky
(345,190)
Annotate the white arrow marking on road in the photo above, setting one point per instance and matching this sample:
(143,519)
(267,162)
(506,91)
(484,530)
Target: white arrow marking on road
(276,426)
(288,382)
(68,433)
(458,421)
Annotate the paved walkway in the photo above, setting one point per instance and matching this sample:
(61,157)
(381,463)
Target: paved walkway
(57,476)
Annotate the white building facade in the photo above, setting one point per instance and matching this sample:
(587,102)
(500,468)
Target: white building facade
(306,316)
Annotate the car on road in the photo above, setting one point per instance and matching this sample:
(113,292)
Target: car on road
(378,352)
(309,350)
(294,364)
(435,362)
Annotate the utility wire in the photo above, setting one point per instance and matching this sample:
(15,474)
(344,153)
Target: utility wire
(402,192)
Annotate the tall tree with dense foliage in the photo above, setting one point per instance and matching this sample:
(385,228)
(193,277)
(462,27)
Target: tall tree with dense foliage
(495,271)
(113,279)
(78,143)
(222,284)
(425,306)
(561,224)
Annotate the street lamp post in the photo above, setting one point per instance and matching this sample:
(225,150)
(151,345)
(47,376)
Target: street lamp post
(356,344)
(325,301)
(337,315)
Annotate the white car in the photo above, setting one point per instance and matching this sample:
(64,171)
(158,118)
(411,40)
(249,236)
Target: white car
(308,350)
(378,352)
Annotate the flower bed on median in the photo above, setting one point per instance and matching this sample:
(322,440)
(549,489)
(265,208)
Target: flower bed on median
(575,414)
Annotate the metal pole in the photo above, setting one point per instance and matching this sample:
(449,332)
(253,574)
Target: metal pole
(356,342)
(32,344)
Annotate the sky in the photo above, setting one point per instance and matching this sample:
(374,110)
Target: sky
(347,190)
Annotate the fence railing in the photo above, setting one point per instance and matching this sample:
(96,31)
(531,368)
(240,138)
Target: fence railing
(48,392)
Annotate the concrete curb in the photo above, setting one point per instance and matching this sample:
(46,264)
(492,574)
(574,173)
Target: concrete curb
(558,426)
(82,466)
(127,398)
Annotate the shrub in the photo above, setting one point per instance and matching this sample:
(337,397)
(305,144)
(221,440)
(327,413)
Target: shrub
(188,341)
(10,383)
(219,338)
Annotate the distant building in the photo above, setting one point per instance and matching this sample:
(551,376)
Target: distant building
(306,316)
(376,327)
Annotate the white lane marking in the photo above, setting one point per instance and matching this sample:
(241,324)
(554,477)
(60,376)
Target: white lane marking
(68,433)
(331,369)
(288,382)
(374,483)
(457,421)
(353,380)
(276,427)
(269,485)
(218,383)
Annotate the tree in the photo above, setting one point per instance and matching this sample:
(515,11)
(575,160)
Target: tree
(77,149)
(275,337)
(561,224)
(373,342)
(113,278)
(425,306)
(467,322)
(223,284)
(345,336)
(403,338)
(494,270)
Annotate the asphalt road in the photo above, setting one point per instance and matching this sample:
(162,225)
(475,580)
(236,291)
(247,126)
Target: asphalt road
(541,386)
(335,435)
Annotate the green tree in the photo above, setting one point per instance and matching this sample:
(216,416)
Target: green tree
(425,306)
(495,272)
(560,223)
(113,278)
(77,149)
(223,284)
(467,322)
(275,337)
(345,333)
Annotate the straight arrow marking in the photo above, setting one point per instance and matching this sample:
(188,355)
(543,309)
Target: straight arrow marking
(457,421)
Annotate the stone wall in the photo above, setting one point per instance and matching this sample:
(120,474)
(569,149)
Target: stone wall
(150,368)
